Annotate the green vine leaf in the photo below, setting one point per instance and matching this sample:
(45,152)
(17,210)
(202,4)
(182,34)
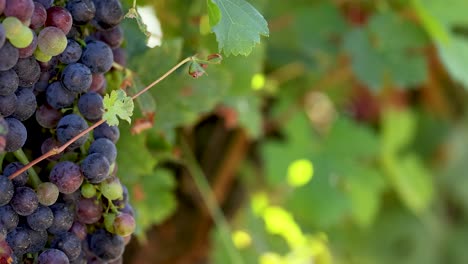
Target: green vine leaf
(237,25)
(117,104)
(133,13)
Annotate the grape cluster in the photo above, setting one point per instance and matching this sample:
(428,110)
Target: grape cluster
(71,207)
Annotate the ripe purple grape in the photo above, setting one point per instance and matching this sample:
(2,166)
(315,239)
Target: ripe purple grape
(58,97)
(9,82)
(72,52)
(47,117)
(105,131)
(98,56)
(91,106)
(9,55)
(88,211)
(67,176)
(95,168)
(69,127)
(77,78)
(24,201)
(41,219)
(82,10)
(53,256)
(26,104)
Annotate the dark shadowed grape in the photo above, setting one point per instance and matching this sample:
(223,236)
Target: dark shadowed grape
(109,13)
(63,218)
(9,219)
(19,240)
(38,240)
(105,245)
(6,190)
(8,104)
(113,37)
(47,117)
(69,244)
(16,136)
(13,167)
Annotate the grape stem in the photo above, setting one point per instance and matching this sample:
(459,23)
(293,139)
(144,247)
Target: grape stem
(57,150)
(33,177)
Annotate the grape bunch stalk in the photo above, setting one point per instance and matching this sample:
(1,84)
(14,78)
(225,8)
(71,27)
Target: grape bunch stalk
(71,207)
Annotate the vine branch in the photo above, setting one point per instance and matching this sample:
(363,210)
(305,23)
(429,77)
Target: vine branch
(62,148)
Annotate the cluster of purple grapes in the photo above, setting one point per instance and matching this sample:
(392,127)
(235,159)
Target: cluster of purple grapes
(70,208)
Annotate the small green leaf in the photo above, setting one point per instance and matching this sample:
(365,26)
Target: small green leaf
(117,104)
(237,25)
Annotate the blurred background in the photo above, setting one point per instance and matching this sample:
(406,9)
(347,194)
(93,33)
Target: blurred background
(342,138)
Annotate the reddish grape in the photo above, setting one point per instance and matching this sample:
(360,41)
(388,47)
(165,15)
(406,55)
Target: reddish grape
(124,224)
(39,16)
(22,9)
(59,17)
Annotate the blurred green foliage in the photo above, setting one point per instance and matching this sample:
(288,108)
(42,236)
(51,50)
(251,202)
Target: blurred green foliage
(359,111)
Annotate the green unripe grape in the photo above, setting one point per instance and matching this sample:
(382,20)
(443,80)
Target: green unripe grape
(111,188)
(47,193)
(52,41)
(88,190)
(13,27)
(23,38)
(40,56)
(109,222)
